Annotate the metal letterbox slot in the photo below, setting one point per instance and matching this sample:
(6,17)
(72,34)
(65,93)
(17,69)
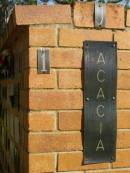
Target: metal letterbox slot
(43,61)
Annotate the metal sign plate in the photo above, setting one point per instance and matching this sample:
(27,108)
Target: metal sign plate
(43,60)
(100,83)
(100,14)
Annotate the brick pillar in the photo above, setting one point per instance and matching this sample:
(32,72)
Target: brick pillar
(53,121)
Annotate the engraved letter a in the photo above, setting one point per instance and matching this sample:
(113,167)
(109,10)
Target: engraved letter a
(101,58)
(100,146)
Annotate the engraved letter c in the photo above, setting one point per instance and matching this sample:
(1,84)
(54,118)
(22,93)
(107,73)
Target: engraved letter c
(99,78)
(99,114)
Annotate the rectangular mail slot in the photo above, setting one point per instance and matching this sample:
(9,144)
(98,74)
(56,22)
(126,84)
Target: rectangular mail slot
(100,84)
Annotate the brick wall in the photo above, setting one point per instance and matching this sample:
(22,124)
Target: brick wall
(52,123)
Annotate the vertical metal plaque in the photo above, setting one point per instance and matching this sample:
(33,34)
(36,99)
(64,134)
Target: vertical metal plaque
(43,60)
(100,14)
(100,83)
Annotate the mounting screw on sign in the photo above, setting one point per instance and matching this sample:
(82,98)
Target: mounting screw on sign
(87,99)
(100,14)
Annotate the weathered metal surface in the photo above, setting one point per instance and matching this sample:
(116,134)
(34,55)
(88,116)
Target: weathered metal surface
(100,14)
(100,83)
(43,61)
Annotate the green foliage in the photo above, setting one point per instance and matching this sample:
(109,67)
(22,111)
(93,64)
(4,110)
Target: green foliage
(70,1)
(128,4)
(32,2)
(101,1)
(114,1)
(66,1)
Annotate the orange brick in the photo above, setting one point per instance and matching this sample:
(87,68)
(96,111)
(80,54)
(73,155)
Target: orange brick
(115,16)
(42,36)
(83,15)
(123,99)
(33,57)
(74,161)
(67,141)
(60,57)
(123,140)
(41,163)
(67,99)
(112,171)
(123,82)
(42,121)
(26,15)
(53,99)
(122,38)
(74,79)
(70,79)
(53,142)
(123,60)
(122,159)
(73,58)
(128,18)
(66,57)
(123,119)
(74,120)
(80,35)
(70,120)
(42,80)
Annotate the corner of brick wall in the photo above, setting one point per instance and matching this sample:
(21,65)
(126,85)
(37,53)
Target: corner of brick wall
(55,116)
(84,16)
(128,18)
(56,99)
